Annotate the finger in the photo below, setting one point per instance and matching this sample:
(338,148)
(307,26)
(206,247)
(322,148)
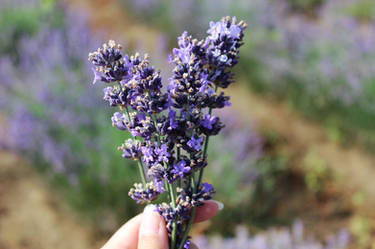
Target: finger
(208,210)
(152,232)
(127,236)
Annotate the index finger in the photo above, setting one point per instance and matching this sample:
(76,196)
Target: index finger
(127,236)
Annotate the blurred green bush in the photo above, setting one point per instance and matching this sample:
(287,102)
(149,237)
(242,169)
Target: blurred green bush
(363,10)
(317,173)
(307,6)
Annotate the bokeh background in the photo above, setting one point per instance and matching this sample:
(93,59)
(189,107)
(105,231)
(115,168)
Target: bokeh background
(295,165)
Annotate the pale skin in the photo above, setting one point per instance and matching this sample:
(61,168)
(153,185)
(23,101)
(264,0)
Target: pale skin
(147,230)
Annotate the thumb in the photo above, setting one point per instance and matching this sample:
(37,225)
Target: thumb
(152,232)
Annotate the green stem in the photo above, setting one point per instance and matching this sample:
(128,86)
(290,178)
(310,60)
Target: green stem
(174,228)
(192,215)
(178,151)
(200,176)
(188,227)
(139,163)
(127,112)
(142,172)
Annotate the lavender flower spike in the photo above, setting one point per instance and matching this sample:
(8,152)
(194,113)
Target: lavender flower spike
(171,146)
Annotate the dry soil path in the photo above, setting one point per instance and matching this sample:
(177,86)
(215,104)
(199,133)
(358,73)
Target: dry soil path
(32,216)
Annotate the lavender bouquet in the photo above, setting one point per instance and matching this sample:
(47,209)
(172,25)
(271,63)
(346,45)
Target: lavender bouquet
(171,129)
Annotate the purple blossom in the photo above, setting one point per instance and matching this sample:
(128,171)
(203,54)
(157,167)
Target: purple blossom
(207,188)
(148,154)
(110,63)
(118,120)
(187,244)
(172,119)
(97,77)
(215,30)
(114,96)
(162,153)
(180,169)
(224,42)
(142,194)
(208,121)
(195,143)
(235,31)
(131,149)
(159,185)
(184,51)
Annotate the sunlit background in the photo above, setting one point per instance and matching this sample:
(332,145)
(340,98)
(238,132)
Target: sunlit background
(295,165)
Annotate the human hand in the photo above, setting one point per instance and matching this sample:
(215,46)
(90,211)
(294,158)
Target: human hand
(147,230)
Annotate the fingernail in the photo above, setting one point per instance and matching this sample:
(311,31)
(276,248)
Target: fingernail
(219,204)
(150,221)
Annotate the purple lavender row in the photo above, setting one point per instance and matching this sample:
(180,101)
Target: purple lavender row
(35,113)
(282,238)
(171,129)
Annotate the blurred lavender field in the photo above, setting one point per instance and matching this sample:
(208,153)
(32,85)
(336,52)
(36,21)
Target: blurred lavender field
(50,114)
(317,56)
(274,239)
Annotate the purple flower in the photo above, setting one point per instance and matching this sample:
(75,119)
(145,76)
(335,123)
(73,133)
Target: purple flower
(195,143)
(159,185)
(97,76)
(162,153)
(108,91)
(131,149)
(114,96)
(224,42)
(204,193)
(184,52)
(148,154)
(207,188)
(118,120)
(215,30)
(172,119)
(235,31)
(110,65)
(208,121)
(143,194)
(180,169)
(187,244)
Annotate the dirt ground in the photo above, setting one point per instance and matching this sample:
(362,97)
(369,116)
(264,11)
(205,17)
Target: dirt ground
(32,216)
